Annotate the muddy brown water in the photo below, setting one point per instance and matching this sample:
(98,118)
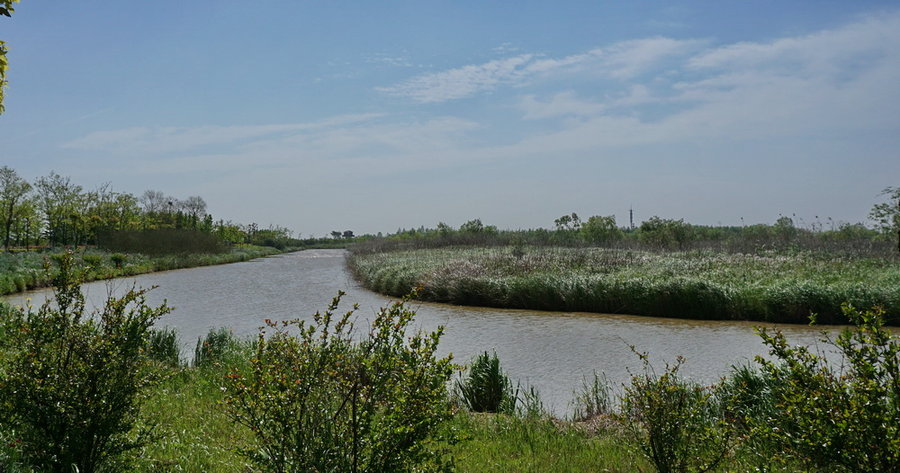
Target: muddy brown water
(551,351)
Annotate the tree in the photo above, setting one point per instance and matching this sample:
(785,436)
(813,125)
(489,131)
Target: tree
(887,214)
(13,190)
(472,226)
(6,9)
(599,229)
(568,222)
(59,200)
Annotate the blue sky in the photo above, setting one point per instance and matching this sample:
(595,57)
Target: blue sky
(369,116)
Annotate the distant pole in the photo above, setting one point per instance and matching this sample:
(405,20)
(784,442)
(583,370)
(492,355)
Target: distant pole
(631,217)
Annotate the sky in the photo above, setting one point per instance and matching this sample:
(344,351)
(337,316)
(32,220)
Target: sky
(372,116)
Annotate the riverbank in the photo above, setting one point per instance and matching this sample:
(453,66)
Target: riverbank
(771,287)
(22,271)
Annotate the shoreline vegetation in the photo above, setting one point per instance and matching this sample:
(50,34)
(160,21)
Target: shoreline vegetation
(24,270)
(768,286)
(781,273)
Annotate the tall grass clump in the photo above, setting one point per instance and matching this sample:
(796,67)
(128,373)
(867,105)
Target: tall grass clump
(219,347)
(593,399)
(485,387)
(163,346)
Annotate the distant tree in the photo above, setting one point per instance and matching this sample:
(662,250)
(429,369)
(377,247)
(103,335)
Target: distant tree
(348,234)
(664,232)
(444,229)
(60,201)
(887,214)
(194,206)
(154,201)
(568,222)
(6,9)
(600,229)
(336,234)
(472,226)
(785,229)
(13,191)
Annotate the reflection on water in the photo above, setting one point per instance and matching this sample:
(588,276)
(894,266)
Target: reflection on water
(549,350)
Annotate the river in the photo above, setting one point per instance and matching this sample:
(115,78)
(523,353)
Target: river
(551,351)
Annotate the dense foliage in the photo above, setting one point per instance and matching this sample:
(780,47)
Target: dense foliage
(73,382)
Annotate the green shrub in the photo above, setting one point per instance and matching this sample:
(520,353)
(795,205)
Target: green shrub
(73,382)
(486,388)
(675,423)
(836,419)
(319,397)
(118,259)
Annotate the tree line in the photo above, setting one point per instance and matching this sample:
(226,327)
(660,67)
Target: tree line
(53,211)
(657,233)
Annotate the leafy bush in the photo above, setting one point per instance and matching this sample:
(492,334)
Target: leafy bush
(675,423)
(73,382)
(836,420)
(486,388)
(319,397)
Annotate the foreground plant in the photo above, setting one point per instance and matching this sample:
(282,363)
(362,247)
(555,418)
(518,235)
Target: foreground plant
(319,397)
(830,419)
(675,423)
(486,388)
(74,382)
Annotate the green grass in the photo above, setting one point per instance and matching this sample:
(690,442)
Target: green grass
(24,270)
(511,444)
(194,434)
(769,286)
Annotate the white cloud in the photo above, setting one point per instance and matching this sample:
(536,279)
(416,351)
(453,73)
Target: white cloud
(561,104)
(147,140)
(622,60)
(461,82)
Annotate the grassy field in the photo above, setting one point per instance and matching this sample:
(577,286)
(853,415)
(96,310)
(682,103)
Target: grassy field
(20,271)
(768,286)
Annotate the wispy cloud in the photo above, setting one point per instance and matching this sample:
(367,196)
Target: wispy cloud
(622,60)
(149,140)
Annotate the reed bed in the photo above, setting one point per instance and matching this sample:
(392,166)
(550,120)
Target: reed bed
(767,286)
(22,271)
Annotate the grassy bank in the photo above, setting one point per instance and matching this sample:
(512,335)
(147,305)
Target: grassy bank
(774,287)
(24,270)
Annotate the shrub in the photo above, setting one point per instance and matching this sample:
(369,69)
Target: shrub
(486,388)
(675,423)
(73,382)
(845,420)
(319,397)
